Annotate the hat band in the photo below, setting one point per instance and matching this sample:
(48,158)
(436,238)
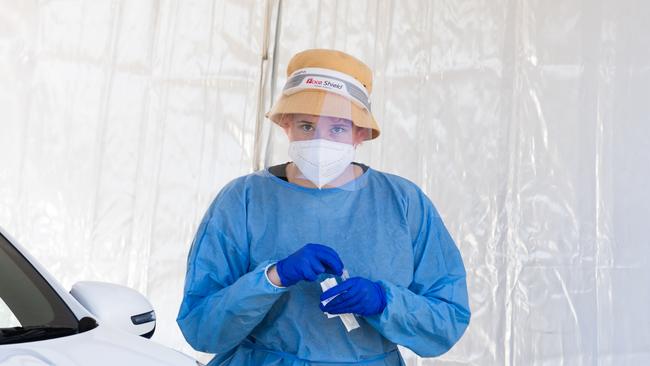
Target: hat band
(328,80)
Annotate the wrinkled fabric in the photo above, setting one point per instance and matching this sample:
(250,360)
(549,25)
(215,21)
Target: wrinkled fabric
(382,226)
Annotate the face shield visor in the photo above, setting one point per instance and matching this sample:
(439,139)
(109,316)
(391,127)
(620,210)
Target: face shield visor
(325,115)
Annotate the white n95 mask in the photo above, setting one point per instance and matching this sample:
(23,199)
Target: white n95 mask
(321,161)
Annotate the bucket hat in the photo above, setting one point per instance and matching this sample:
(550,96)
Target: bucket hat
(329,83)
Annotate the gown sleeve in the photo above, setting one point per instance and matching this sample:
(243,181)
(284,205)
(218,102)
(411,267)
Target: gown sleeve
(223,301)
(431,315)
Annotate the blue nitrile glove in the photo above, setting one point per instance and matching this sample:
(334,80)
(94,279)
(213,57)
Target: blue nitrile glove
(357,295)
(307,263)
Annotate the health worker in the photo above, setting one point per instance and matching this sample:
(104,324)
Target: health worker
(253,293)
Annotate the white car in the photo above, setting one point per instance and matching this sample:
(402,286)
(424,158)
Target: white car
(94,324)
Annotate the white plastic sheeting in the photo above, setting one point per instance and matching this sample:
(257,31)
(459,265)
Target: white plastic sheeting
(526,122)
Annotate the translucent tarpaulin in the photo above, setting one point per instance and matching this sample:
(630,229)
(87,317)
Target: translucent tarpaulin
(526,122)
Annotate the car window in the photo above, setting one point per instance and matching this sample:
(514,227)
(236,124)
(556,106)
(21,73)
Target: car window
(7,317)
(28,299)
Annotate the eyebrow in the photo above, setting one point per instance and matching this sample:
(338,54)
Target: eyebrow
(339,123)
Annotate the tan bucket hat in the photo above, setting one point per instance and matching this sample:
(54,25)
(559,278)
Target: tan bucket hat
(327,83)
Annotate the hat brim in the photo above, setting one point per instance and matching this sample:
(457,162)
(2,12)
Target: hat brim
(322,103)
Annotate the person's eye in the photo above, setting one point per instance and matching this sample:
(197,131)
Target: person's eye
(338,130)
(306,127)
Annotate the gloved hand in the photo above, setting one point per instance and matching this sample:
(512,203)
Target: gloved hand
(307,263)
(357,295)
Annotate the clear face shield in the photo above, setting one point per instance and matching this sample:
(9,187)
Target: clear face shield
(323,114)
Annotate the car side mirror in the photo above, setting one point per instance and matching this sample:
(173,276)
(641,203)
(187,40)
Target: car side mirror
(118,306)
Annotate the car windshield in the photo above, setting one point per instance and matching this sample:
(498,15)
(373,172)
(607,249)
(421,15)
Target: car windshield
(30,309)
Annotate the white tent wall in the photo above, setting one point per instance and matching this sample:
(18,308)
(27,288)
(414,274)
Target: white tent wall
(526,122)
(120,122)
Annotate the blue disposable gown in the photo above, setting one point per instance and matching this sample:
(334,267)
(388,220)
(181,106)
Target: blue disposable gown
(382,226)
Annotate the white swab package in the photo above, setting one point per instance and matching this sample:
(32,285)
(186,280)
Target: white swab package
(349,321)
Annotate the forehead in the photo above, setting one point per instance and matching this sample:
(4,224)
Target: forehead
(310,118)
